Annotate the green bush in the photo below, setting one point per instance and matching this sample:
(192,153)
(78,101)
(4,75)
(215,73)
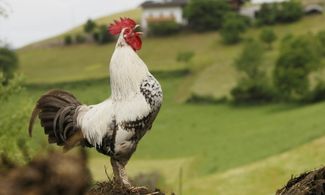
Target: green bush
(8,64)
(80,38)
(185,56)
(203,15)
(90,26)
(164,28)
(321,41)
(252,92)
(290,11)
(232,28)
(13,86)
(253,87)
(250,60)
(201,99)
(268,36)
(101,35)
(267,15)
(317,94)
(285,12)
(67,40)
(298,57)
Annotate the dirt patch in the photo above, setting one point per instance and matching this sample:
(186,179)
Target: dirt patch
(55,173)
(112,188)
(61,174)
(309,183)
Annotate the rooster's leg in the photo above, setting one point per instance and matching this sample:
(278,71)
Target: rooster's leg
(119,173)
(121,177)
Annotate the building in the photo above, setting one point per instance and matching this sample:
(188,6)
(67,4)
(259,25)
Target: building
(162,10)
(310,7)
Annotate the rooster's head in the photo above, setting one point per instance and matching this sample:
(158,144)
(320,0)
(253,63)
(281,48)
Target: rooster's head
(127,27)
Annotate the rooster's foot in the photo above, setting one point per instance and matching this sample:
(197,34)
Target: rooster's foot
(141,189)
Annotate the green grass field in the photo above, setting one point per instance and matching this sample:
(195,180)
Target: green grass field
(223,149)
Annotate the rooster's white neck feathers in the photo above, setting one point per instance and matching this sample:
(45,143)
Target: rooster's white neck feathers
(127,71)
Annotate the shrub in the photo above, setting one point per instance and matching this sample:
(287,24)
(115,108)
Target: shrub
(267,15)
(317,94)
(297,59)
(12,87)
(164,28)
(8,64)
(206,15)
(285,12)
(290,11)
(254,86)
(185,56)
(67,40)
(250,60)
(203,99)
(80,38)
(90,26)
(232,28)
(268,36)
(321,41)
(101,36)
(252,92)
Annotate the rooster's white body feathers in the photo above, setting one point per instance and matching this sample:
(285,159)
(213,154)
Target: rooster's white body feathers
(126,104)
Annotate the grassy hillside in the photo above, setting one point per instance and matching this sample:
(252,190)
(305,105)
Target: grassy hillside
(202,139)
(215,77)
(262,177)
(207,141)
(135,14)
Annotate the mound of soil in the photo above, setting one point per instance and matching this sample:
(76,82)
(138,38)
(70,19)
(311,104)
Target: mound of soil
(59,174)
(112,188)
(309,183)
(53,174)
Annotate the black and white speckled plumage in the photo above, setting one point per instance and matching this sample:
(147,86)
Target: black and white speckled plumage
(151,90)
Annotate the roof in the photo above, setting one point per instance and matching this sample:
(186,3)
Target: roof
(313,8)
(163,3)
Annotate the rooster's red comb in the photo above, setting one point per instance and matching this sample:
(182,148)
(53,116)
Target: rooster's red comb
(116,27)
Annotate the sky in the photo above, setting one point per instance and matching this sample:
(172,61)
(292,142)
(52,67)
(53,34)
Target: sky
(34,20)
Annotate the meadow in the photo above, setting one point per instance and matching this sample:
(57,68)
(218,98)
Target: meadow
(221,148)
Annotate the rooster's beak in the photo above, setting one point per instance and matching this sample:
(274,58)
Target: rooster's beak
(136,26)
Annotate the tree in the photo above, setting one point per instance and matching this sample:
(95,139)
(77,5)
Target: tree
(268,36)
(321,39)
(298,58)
(67,39)
(164,28)
(250,59)
(101,36)
(267,15)
(79,38)
(232,28)
(206,15)
(90,26)
(236,4)
(8,63)
(253,87)
(290,11)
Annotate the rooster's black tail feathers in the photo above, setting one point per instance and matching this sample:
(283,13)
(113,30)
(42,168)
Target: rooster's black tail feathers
(57,111)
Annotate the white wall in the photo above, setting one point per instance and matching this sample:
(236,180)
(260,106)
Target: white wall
(266,1)
(176,12)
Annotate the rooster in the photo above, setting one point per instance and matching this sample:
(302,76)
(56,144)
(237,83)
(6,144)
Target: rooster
(115,126)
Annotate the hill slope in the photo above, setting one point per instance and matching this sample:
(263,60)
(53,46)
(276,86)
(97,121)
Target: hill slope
(216,138)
